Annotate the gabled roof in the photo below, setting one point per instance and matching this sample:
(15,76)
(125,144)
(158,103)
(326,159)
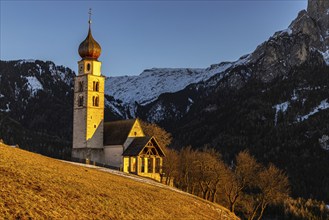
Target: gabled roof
(116,132)
(138,144)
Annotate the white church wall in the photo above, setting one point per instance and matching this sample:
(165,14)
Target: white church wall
(113,155)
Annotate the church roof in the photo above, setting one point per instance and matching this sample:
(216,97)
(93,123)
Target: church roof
(138,144)
(116,132)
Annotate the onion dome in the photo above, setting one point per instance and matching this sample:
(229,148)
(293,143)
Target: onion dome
(89,48)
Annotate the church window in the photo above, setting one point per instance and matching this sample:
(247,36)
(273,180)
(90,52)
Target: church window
(80,68)
(94,126)
(157,165)
(95,101)
(135,133)
(133,164)
(96,86)
(88,67)
(150,165)
(80,86)
(143,165)
(80,101)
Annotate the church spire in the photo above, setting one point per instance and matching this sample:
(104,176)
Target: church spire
(89,21)
(89,48)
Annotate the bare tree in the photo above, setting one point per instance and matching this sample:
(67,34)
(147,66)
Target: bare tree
(163,137)
(186,167)
(170,166)
(210,172)
(273,187)
(241,175)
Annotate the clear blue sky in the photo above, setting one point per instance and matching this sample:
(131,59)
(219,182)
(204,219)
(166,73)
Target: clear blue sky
(136,35)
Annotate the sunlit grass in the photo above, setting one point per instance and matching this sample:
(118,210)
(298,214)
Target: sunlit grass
(39,187)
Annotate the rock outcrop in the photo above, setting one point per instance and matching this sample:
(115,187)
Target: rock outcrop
(307,37)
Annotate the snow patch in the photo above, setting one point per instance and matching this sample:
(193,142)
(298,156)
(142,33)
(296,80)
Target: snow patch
(189,105)
(113,107)
(1,96)
(157,113)
(26,61)
(288,31)
(34,84)
(325,56)
(282,107)
(242,61)
(7,109)
(324,142)
(294,96)
(323,105)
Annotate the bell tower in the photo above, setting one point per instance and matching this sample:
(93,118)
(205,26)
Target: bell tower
(88,109)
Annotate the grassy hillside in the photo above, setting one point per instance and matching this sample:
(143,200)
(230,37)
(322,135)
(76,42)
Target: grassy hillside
(39,187)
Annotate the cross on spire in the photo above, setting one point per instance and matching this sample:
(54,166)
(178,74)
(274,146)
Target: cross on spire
(89,16)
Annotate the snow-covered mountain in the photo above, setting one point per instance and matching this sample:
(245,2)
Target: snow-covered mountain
(125,92)
(36,99)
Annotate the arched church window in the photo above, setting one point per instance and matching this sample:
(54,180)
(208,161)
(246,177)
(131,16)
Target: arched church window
(80,101)
(97,101)
(80,87)
(93,100)
(95,86)
(88,67)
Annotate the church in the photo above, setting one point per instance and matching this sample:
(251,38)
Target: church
(120,144)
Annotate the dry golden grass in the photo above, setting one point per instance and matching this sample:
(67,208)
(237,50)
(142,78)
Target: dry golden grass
(37,187)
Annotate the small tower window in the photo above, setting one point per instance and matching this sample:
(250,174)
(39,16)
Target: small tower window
(80,87)
(80,101)
(95,86)
(88,67)
(80,69)
(96,101)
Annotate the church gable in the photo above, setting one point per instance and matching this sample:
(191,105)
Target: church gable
(136,130)
(144,146)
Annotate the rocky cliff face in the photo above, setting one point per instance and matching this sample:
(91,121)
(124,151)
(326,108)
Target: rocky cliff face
(318,10)
(305,38)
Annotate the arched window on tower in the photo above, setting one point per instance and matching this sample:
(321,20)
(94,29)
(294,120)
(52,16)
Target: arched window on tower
(93,100)
(80,86)
(80,101)
(88,67)
(95,86)
(97,101)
